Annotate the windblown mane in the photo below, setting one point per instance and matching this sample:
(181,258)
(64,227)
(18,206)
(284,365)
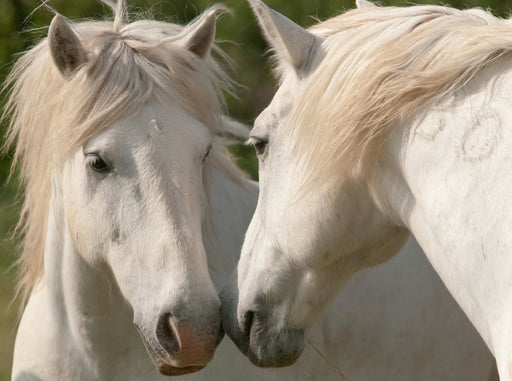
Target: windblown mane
(379,66)
(52,117)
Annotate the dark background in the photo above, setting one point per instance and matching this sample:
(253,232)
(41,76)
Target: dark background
(24,22)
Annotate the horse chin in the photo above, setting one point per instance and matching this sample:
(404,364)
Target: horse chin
(169,370)
(162,359)
(258,339)
(265,347)
(270,349)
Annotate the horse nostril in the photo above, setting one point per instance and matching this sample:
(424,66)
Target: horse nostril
(246,323)
(166,335)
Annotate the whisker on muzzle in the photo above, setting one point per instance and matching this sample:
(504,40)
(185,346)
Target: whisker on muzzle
(334,368)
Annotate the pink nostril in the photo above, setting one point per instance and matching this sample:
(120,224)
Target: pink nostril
(182,341)
(166,335)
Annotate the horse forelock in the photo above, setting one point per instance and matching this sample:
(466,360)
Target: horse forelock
(376,68)
(51,117)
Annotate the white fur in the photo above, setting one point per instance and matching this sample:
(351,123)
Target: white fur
(454,206)
(327,210)
(78,323)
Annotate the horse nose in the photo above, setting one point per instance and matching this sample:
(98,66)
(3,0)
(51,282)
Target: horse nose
(187,345)
(165,333)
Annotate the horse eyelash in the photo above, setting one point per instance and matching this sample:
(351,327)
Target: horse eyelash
(250,142)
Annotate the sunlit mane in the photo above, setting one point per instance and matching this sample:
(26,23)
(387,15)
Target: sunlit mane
(50,118)
(379,66)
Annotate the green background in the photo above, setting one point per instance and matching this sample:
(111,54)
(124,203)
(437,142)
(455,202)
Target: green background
(22,23)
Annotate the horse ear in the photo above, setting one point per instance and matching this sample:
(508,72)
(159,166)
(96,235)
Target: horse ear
(199,37)
(361,4)
(291,42)
(67,51)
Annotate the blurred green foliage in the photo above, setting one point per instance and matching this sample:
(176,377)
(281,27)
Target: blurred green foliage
(24,22)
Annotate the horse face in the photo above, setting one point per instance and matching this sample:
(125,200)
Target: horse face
(134,200)
(286,273)
(304,241)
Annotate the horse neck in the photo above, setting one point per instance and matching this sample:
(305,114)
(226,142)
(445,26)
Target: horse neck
(84,303)
(233,199)
(447,178)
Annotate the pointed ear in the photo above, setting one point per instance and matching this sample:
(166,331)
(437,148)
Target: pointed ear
(67,51)
(292,43)
(361,4)
(199,36)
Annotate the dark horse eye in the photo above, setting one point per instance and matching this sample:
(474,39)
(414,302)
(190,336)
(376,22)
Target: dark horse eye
(260,146)
(97,164)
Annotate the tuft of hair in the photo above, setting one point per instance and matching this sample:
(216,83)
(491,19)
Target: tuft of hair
(50,117)
(377,67)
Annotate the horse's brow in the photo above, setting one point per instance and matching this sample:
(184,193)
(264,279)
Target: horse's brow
(285,109)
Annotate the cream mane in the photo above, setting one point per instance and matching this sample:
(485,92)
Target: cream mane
(50,117)
(379,66)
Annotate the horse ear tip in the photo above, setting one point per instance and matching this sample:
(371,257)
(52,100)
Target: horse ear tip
(58,25)
(65,47)
(360,4)
(57,18)
(257,4)
(212,16)
(57,21)
(199,37)
(218,10)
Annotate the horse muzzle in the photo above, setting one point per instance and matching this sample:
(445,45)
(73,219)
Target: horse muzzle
(255,334)
(178,347)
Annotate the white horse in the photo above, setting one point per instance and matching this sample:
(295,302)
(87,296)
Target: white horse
(126,212)
(387,121)
(114,127)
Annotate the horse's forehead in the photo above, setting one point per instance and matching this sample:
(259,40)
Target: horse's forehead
(284,104)
(288,90)
(286,96)
(155,123)
(279,109)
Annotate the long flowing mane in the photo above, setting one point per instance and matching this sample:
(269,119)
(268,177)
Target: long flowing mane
(51,117)
(378,67)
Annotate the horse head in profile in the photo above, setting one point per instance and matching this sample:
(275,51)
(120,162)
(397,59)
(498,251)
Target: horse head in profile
(335,150)
(114,126)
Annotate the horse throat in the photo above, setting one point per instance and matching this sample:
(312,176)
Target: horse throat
(86,311)
(232,202)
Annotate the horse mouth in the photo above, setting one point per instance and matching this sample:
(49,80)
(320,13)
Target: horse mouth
(266,347)
(161,359)
(169,370)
